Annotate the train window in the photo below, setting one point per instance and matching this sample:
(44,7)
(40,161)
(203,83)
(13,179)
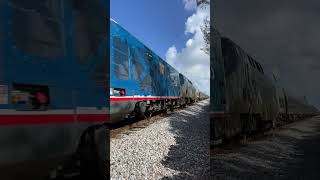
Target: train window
(255,64)
(146,82)
(258,66)
(88,28)
(181,79)
(137,65)
(148,56)
(161,68)
(261,69)
(121,59)
(37,27)
(30,97)
(231,57)
(154,70)
(249,59)
(173,76)
(174,79)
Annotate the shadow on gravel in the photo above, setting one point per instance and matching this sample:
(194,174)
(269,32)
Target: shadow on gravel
(308,166)
(260,160)
(190,154)
(289,154)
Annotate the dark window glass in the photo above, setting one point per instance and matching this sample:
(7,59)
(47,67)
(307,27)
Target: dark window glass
(231,56)
(146,82)
(89,29)
(181,79)
(148,56)
(47,8)
(154,70)
(121,59)
(30,97)
(250,60)
(258,66)
(137,66)
(255,64)
(161,68)
(174,77)
(37,27)
(261,69)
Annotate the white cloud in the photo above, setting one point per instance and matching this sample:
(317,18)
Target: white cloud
(191,60)
(190,4)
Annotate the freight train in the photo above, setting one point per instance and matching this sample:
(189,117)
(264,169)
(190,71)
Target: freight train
(54,87)
(245,97)
(141,82)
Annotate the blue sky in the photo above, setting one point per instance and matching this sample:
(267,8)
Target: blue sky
(172,29)
(157,23)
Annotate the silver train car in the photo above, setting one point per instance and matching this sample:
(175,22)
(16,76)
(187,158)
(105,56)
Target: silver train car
(245,98)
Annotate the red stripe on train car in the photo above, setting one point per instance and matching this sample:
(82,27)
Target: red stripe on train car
(40,119)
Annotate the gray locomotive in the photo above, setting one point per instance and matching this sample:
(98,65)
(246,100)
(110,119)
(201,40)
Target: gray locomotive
(245,98)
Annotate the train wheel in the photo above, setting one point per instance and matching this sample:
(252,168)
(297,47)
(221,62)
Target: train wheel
(94,149)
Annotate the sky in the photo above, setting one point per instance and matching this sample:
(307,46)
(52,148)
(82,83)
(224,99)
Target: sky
(283,35)
(171,28)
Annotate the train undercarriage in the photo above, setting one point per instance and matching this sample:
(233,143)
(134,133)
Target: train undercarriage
(231,127)
(235,126)
(145,109)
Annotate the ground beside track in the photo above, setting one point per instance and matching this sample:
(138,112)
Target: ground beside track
(291,152)
(175,147)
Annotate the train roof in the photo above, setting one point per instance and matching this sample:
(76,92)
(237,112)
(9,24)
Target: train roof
(112,20)
(163,61)
(134,37)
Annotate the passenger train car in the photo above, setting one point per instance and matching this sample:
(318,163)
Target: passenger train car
(141,82)
(245,98)
(54,87)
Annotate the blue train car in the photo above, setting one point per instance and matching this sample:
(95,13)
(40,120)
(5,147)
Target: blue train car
(54,84)
(141,81)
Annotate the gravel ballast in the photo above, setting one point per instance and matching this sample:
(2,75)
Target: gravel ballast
(268,158)
(175,147)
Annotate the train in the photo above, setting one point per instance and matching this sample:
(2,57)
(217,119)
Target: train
(141,82)
(54,88)
(201,96)
(63,82)
(245,97)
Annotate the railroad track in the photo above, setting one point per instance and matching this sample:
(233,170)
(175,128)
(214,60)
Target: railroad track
(129,124)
